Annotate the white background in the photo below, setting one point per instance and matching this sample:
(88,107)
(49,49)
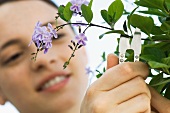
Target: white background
(95,47)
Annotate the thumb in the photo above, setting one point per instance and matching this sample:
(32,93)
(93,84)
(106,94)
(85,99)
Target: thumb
(112,60)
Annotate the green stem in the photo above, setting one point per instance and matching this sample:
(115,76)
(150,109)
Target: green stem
(72,55)
(95,25)
(91,24)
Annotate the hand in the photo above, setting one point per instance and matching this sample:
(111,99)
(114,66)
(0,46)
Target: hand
(158,102)
(121,89)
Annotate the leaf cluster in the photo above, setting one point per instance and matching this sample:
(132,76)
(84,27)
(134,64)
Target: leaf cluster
(66,14)
(156,46)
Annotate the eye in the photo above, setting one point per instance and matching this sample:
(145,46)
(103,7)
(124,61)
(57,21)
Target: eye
(60,35)
(13,58)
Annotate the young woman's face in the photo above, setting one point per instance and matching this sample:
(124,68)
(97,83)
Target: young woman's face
(41,86)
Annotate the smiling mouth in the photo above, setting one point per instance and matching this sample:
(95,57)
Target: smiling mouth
(54,83)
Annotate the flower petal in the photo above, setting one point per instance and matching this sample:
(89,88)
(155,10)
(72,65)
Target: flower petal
(45,50)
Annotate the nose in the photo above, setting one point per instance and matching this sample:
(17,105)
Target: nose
(44,61)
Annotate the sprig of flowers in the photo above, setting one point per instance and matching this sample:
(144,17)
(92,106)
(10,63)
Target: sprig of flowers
(76,6)
(76,47)
(42,38)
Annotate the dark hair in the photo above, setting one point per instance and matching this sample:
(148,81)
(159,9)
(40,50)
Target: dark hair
(47,1)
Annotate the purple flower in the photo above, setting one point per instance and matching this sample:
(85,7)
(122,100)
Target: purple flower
(52,30)
(42,37)
(39,34)
(38,24)
(88,70)
(47,43)
(76,5)
(81,38)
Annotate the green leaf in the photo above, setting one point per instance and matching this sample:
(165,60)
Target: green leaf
(157,4)
(111,20)
(163,82)
(165,26)
(67,12)
(99,75)
(129,18)
(149,58)
(90,4)
(144,23)
(167,4)
(104,56)
(157,65)
(152,54)
(60,11)
(125,27)
(129,55)
(117,48)
(114,31)
(101,36)
(104,69)
(154,12)
(161,37)
(155,53)
(104,14)
(167,92)
(164,46)
(87,13)
(157,79)
(162,19)
(166,60)
(115,10)
(156,30)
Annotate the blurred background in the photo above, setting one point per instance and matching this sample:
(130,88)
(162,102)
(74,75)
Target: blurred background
(95,46)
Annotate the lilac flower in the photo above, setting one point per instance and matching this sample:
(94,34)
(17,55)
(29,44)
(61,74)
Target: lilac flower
(52,30)
(47,43)
(88,70)
(76,5)
(81,38)
(42,37)
(38,24)
(39,34)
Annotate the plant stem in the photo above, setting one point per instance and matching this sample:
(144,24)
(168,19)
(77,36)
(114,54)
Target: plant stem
(95,25)
(72,55)
(91,24)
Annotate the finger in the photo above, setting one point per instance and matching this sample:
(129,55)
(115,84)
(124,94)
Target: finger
(160,103)
(129,90)
(138,104)
(112,60)
(121,73)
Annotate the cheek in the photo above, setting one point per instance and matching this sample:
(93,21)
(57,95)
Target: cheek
(13,80)
(81,57)
(79,63)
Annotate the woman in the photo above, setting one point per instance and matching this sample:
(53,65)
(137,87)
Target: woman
(44,87)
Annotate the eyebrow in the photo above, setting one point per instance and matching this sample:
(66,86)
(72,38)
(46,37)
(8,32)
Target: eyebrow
(17,41)
(10,43)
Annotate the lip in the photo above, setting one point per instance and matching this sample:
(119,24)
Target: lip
(56,86)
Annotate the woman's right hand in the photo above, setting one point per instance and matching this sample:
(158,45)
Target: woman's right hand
(121,89)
